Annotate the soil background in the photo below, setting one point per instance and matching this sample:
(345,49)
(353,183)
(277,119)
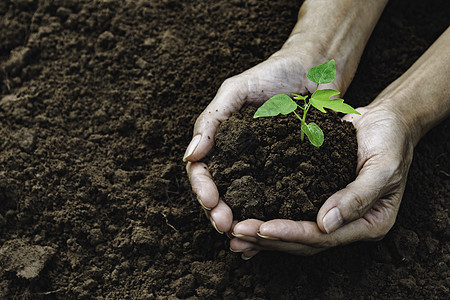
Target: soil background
(97,104)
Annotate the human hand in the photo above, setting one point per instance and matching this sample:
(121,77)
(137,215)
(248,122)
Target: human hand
(283,72)
(387,131)
(324,30)
(365,210)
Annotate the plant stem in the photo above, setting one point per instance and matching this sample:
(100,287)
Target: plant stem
(305,111)
(302,120)
(298,116)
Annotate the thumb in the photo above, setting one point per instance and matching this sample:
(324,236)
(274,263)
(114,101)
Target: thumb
(229,99)
(357,198)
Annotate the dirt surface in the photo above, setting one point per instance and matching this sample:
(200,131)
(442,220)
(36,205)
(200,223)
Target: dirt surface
(264,171)
(97,104)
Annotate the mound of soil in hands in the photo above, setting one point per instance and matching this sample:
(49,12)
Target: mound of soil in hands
(263,170)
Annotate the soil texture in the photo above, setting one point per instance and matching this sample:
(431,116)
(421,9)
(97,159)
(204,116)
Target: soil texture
(264,171)
(97,105)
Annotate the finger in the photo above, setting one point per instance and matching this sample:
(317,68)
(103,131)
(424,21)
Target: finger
(250,232)
(230,232)
(354,231)
(229,98)
(232,225)
(203,185)
(249,254)
(221,217)
(304,232)
(291,237)
(301,238)
(374,224)
(247,230)
(238,245)
(288,247)
(352,202)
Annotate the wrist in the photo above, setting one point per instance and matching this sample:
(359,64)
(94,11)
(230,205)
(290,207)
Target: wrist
(405,117)
(336,30)
(317,50)
(412,111)
(339,30)
(421,96)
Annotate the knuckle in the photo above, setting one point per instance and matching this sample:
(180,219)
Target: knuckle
(238,85)
(380,231)
(329,243)
(393,170)
(378,238)
(228,83)
(359,204)
(201,119)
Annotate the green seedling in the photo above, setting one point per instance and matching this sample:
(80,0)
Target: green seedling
(320,99)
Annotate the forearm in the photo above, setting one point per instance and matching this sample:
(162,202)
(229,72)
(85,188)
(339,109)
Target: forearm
(421,96)
(336,29)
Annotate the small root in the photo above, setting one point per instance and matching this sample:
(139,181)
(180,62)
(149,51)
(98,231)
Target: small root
(167,221)
(444,173)
(52,292)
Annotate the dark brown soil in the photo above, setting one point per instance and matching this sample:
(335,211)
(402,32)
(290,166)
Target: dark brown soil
(264,171)
(97,104)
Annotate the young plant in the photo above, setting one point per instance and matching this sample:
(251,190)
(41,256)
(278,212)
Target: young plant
(320,99)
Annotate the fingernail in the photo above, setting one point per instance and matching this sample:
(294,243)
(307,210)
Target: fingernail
(267,237)
(332,220)
(235,251)
(214,225)
(245,237)
(192,145)
(207,213)
(245,257)
(201,203)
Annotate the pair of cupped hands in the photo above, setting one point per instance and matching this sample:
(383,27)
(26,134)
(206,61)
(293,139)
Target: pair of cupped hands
(364,210)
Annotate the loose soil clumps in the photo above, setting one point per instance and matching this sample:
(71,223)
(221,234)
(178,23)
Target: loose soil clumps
(264,171)
(97,104)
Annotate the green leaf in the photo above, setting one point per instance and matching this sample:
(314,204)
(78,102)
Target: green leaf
(299,97)
(321,99)
(314,133)
(278,104)
(323,73)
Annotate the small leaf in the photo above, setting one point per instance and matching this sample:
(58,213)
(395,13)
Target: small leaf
(278,104)
(314,133)
(338,105)
(323,73)
(321,99)
(299,97)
